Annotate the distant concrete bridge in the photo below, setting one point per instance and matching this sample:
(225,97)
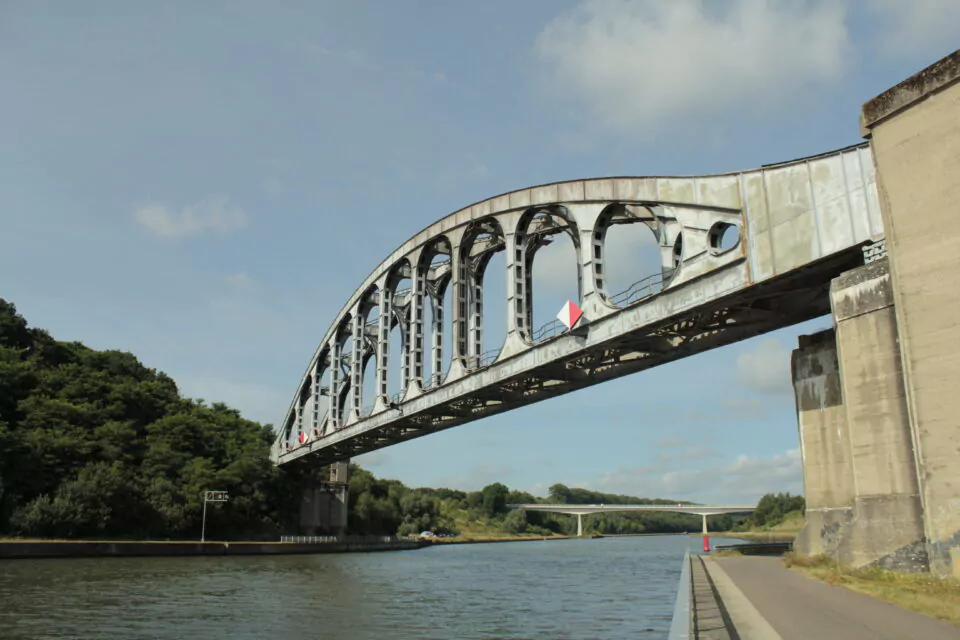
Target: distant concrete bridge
(740,254)
(581,510)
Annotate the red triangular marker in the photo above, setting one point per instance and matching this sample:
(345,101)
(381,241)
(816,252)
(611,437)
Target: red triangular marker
(569,314)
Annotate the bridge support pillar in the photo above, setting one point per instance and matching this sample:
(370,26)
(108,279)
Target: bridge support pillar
(323,509)
(863,503)
(706,535)
(579,525)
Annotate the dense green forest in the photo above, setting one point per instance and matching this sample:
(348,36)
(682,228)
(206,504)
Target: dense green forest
(95,444)
(387,506)
(772,509)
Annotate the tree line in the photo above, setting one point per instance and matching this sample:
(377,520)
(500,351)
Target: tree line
(94,444)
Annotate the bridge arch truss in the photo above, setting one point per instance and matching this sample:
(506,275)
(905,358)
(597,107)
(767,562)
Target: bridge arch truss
(793,225)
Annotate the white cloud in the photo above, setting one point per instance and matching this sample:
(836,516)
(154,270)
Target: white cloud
(766,368)
(917,27)
(211,215)
(643,64)
(741,481)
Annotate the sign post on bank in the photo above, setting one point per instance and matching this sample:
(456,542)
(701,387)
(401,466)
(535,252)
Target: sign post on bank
(210,496)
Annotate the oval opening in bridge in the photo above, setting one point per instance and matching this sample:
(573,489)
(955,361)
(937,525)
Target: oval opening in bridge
(321,399)
(494,315)
(346,387)
(399,332)
(555,274)
(368,385)
(723,237)
(483,269)
(630,269)
(438,330)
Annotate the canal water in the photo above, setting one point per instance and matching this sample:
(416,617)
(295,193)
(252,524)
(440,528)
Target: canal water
(608,588)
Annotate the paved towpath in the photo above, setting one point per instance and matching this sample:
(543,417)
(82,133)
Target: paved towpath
(800,608)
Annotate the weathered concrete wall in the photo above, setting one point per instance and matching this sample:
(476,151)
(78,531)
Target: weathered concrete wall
(887,525)
(824,444)
(915,133)
(324,507)
(860,481)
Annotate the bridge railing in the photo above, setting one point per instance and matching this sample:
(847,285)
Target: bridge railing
(548,331)
(339,539)
(643,288)
(489,357)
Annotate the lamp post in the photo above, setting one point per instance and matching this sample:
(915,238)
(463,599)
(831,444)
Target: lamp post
(210,496)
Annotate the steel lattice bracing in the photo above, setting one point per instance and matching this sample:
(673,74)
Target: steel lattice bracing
(798,224)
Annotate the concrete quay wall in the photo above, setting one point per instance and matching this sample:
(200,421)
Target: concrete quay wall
(45,549)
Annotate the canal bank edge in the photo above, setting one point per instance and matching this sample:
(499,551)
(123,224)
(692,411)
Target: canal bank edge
(13,549)
(44,549)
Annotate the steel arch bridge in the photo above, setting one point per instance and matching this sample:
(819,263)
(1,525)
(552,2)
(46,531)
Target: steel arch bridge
(795,226)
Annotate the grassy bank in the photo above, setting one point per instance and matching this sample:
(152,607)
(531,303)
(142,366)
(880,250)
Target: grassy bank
(924,593)
(785,531)
(474,538)
(758,536)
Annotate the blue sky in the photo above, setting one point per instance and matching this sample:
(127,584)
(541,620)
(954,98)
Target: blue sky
(204,184)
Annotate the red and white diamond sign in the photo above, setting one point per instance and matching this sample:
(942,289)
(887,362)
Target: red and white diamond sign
(302,438)
(569,314)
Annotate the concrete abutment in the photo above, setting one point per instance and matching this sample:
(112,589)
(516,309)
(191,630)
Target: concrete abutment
(877,396)
(914,130)
(863,502)
(323,508)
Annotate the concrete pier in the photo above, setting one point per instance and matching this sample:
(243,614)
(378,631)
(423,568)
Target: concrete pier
(860,479)
(324,507)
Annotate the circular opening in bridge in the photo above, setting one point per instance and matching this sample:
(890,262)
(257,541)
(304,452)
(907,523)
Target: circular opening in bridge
(723,237)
